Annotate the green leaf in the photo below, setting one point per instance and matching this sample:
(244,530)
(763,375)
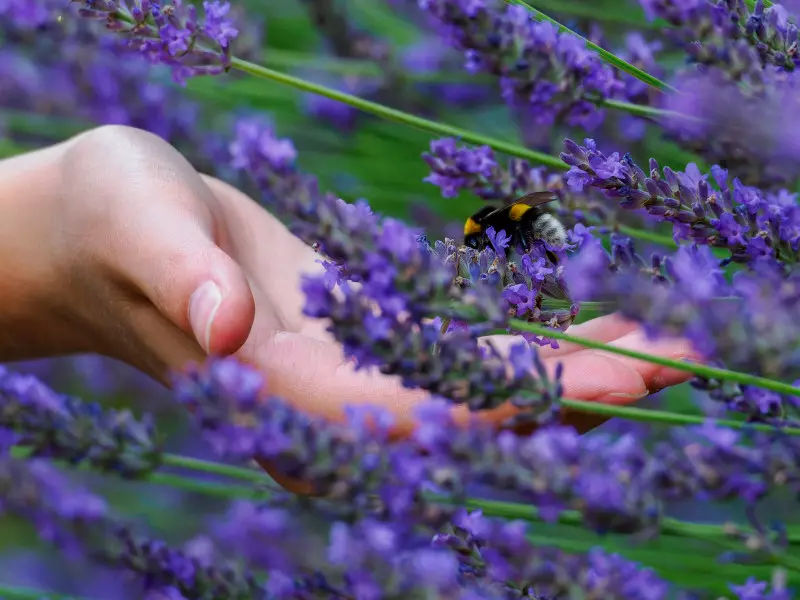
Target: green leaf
(381,20)
(604,12)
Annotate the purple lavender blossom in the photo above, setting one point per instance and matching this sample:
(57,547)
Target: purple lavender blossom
(750,132)
(78,522)
(366,559)
(501,552)
(478,559)
(551,76)
(402,284)
(523,286)
(750,224)
(170,32)
(429,57)
(640,53)
(455,168)
(760,590)
(745,324)
(62,427)
(722,32)
(615,482)
(74,72)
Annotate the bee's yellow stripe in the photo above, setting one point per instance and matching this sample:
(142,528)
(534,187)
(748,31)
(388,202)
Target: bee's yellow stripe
(515,212)
(471,227)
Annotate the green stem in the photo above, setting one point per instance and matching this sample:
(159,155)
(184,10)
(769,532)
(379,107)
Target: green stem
(207,488)
(13,592)
(669,526)
(643,110)
(696,369)
(398,116)
(648,415)
(281,59)
(607,56)
(243,473)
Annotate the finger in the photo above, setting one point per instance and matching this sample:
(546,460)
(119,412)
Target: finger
(602,329)
(586,376)
(170,257)
(655,377)
(259,238)
(156,235)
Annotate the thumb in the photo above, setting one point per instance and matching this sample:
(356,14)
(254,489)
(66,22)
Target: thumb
(173,260)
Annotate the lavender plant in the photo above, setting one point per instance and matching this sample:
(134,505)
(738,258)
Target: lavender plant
(723,32)
(389,517)
(548,74)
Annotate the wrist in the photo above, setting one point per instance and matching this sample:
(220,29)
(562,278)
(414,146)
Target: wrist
(33,318)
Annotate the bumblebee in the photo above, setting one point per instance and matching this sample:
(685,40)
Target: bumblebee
(523,220)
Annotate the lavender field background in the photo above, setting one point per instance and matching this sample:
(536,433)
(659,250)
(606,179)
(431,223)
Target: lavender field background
(55,82)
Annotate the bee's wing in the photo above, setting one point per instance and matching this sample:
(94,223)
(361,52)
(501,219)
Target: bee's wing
(533,199)
(536,198)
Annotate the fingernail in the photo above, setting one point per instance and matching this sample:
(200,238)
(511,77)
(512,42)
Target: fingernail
(631,396)
(203,307)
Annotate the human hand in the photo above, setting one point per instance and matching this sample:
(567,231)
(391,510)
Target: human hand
(132,232)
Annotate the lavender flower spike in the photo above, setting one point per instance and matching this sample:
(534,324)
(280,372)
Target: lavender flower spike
(402,285)
(550,75)
(749,223)
(725,33)
(169,32)
(65,428)
(78,522)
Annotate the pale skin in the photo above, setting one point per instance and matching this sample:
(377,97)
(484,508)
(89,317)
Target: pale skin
(105,238)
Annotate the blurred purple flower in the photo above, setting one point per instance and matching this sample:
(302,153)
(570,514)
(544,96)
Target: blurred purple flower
(751,132)
(170,32)
(725,34)
(745,324)
(62,427)
(551,76)
(429,57)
